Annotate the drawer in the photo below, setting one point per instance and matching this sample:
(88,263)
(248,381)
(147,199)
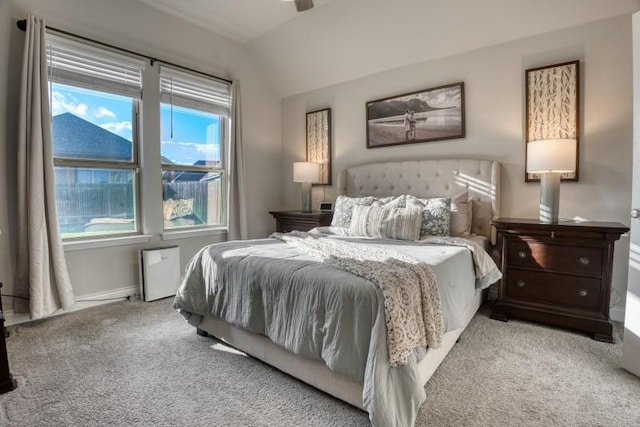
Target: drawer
(286,225)
(552,288)
(551,257)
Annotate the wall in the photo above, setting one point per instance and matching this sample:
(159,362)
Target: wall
(113,271)
(494,92)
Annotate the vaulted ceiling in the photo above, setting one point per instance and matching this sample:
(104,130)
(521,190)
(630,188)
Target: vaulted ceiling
(340,40)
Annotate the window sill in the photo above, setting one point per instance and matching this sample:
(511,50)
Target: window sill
(105,242)
(198,232)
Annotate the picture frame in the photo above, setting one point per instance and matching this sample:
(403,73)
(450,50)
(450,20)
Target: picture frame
(552,108)
(319,142)
(426,115)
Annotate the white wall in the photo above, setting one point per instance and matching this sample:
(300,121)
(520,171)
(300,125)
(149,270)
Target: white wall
(135,26)
(494,92)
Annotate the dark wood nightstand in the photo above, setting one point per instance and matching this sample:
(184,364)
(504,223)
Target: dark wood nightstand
(301,221)
(557,273)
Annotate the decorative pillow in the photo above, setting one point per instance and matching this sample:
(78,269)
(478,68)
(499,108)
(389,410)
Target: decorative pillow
(436,215)
(392,202)
(392,223)
(172,209)
(344,209)
(460,222)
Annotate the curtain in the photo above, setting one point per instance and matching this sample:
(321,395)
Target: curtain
(238,196)
(41,273)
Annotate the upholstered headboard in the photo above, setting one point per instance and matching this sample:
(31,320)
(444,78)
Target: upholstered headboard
(431,178)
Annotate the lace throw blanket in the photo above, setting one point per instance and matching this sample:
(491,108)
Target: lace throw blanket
(412,307)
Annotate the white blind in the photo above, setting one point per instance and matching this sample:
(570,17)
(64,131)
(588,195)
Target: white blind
(83,64)
(194,91)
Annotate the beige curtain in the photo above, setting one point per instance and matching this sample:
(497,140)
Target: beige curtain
(238,197)
(41,271)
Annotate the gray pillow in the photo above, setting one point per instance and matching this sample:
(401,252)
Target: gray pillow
(436,215)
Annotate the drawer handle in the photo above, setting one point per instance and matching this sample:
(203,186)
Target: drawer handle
(582,292)
(584,260)
(522,254)
(520,283)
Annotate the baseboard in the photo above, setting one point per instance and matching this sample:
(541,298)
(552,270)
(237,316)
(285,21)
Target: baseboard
(82,302)
(616,313)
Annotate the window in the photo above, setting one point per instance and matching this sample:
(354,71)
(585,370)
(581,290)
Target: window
(194,117)
(94,96)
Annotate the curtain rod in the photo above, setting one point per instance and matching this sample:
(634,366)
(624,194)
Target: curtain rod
(22,25)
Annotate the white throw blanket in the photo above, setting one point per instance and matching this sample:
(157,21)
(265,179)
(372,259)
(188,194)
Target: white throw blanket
(413,311)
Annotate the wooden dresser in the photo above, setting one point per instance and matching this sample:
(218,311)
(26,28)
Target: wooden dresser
(299,220)
(557,273)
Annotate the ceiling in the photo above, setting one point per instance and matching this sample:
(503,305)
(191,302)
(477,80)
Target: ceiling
(240,20)
(341,40)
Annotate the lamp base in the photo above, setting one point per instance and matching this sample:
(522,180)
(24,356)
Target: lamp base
(549,197)
(306,197)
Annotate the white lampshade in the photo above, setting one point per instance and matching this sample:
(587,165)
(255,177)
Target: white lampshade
(551,155)
(306,172)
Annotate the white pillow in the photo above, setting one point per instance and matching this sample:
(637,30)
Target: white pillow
(344,209)
(391,223)
(392,202)
(461,214)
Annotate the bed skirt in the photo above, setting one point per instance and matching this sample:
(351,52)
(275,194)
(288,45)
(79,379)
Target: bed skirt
(315,372)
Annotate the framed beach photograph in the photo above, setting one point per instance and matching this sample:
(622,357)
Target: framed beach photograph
(553,108)
(427,115)
(319,142)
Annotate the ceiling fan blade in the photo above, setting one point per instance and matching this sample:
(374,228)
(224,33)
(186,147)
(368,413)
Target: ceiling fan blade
(302,5)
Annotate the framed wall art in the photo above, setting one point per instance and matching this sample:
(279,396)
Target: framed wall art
(553,107)
(319,142)
(427,115)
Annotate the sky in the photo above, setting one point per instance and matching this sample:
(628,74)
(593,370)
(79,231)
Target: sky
(195,134)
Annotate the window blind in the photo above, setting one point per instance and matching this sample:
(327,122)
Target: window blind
(95,68)
(193,91)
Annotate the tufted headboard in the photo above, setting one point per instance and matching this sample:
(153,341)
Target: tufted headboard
(431,178)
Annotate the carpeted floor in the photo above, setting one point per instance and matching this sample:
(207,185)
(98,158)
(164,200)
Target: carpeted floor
(141,364)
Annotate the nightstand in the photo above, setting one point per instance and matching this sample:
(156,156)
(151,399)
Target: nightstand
(558,274)
(299,220)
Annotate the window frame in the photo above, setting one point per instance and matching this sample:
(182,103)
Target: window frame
(77,80)
(146,121)
(224,115)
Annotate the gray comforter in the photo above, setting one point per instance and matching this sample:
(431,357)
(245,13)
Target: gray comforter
(321,312)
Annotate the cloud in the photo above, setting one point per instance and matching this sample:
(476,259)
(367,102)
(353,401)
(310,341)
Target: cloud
(117,127)
(188,152)
(61,104)
(104,112)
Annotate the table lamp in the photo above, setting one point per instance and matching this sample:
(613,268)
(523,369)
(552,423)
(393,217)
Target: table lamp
(550,158)
(306,173)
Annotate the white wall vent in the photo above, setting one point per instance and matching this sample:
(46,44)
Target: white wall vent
(159,272)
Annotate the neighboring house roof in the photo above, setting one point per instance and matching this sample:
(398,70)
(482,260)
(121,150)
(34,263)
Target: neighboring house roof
(189,175)
(76,138)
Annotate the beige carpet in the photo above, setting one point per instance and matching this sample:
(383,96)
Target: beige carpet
(140,364)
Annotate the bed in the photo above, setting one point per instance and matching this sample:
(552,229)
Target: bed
(289,329)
